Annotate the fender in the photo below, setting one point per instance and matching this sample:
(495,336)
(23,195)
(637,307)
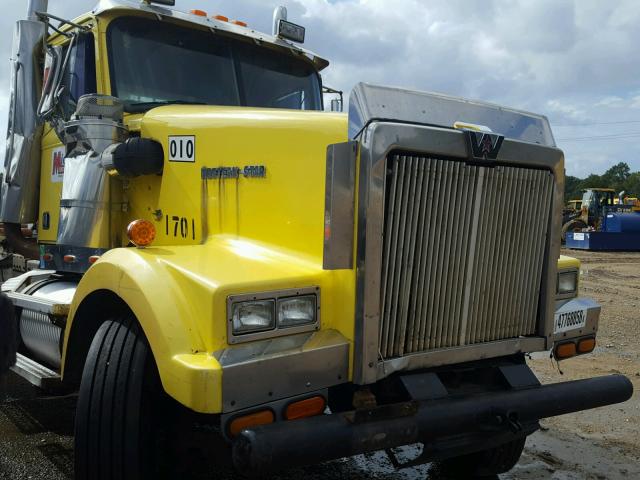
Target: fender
(178,295)
(157,302)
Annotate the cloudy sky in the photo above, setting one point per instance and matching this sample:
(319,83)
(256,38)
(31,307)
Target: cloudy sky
(575,61)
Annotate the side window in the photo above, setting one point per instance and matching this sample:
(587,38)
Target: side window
(80,74)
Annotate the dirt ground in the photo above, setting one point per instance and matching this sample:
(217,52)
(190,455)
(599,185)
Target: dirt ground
(604,444)
(609,437)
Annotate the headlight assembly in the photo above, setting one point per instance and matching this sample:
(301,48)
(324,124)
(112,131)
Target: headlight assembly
(253,316)
(567,282)
(261,315)
(296,311)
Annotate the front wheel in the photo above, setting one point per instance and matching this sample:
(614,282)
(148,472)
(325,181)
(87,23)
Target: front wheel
(490,462)
(118,406)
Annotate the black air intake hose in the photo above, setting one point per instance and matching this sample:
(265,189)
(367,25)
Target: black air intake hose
(135,157)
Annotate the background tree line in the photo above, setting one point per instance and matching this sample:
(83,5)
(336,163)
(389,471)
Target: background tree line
(619,177)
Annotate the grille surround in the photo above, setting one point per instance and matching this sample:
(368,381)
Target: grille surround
(375,143)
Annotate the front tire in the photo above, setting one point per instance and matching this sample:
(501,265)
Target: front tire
(486,463)
(118,403)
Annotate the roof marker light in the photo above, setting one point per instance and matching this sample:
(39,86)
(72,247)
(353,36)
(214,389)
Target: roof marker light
(200,13)
(239,22)
(222,18)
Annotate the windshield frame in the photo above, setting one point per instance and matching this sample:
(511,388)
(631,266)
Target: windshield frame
(232,40)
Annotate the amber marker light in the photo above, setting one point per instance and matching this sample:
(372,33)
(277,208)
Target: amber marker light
(69,259)
(263,417)
(47,257)
(222,18)
(200,13)
(93,259)
(565,350)
(586,345)
(141,232)
(309,407)
(240,23)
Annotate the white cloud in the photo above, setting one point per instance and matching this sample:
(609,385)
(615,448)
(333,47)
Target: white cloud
(573,60)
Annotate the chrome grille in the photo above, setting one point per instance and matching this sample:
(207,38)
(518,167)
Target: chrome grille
(463,253)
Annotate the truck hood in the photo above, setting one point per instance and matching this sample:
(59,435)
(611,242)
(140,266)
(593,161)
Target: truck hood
(254,173)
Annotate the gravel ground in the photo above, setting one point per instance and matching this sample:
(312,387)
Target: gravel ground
(604,444)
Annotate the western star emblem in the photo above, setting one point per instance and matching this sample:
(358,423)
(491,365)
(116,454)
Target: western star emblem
(484,146)
(249,171)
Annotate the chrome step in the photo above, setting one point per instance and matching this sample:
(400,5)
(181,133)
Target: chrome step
(37,374)
(39,304)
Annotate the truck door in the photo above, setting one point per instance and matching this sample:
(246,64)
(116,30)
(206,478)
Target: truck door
(78,78)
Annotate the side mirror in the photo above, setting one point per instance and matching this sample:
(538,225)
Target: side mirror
(336,102)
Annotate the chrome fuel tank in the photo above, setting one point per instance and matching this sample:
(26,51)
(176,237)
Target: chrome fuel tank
(39,334)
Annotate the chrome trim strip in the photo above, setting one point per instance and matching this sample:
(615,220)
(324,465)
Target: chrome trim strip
(471,259)
(264,371)
(339,206)
(467,353)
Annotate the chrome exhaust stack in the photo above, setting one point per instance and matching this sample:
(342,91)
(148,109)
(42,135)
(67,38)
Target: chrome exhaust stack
(19,193)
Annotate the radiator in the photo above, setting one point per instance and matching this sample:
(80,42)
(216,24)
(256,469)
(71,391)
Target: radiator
(463,253)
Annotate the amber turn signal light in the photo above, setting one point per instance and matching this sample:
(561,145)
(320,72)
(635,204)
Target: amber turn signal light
(586,345)
(141,232)
(263,417)
(565,350)
(309,407)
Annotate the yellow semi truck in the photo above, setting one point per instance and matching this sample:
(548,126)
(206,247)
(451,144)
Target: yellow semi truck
(211,241)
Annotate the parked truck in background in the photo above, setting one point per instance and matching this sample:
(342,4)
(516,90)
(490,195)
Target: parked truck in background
(211,241)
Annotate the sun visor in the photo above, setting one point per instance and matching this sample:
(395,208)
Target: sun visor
(368,103)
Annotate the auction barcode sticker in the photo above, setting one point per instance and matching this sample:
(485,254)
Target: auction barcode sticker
(565,321)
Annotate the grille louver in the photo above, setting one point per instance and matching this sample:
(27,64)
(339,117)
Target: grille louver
(463,253)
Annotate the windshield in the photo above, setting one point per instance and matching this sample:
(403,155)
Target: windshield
(155,63)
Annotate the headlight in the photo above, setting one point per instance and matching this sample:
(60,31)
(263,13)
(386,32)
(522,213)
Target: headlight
(567,282)
(253,316)
(296,311)
(266,315)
